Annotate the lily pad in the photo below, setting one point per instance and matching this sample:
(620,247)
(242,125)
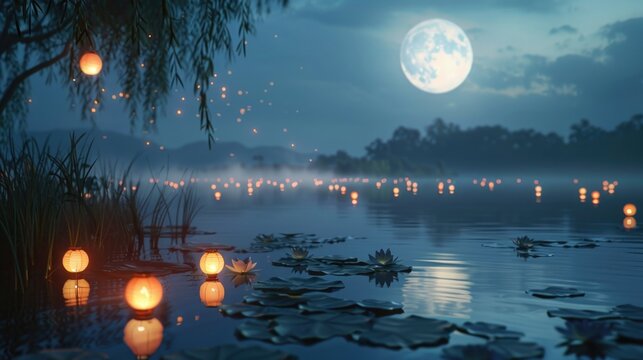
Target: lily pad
(344,270)
(515,349)
(495,350)
(318,327)
(489,331)
(125,269)
(230,352)
(63,354)
(630,331)
(278,300)
(393,268)
(574,314)
(410,332)
(255,311)
(381,306)
(255,329)
(327,303)
(339,260)
(630,312)
(298,285)
(468,352)
(553,292)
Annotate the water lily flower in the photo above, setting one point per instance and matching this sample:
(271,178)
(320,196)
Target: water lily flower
(383,258)
(299,253)
(241,266)
(524,243)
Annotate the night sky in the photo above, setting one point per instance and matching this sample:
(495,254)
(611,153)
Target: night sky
(325,74)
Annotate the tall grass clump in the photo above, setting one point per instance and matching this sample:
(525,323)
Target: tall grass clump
(187,207)
(52,199)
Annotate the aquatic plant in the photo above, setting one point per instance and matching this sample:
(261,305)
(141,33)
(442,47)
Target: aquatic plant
(383,258)
(299,253)
(244,266)
(577,332)
(524,243)
(187,207)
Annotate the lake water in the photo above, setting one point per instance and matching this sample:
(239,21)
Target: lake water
(454,277)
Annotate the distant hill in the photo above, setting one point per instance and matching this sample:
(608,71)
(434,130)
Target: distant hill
(112,146)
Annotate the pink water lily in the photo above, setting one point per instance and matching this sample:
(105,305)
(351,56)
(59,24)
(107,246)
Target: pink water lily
(241,266)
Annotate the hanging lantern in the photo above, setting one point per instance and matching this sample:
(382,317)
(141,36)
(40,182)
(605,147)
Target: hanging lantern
(143,293)
(91,63)
(212,293)
(211,263)
(75,260)
(143,337)
(629,210)
(76,292)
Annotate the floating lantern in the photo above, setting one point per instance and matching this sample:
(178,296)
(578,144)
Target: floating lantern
(378,185)
(76,292)
(629,222)
(396,192)
(354,195)
(596,195)
(492,185)
(211,263)
(143,337)
(629,210)
(538,189)
(582,191)
(212,293)
(451,189)
(440,186)
(217,195)
(75,260)
(91,63)
(143,293)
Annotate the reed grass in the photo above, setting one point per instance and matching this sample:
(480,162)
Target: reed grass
(52,199)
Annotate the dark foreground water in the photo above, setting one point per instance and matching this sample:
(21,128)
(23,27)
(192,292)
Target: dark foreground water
(454,277)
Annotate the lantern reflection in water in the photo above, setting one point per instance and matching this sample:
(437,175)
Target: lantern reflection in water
(143,336)
(143,293)
(629,222)
(76,292)
(212,293)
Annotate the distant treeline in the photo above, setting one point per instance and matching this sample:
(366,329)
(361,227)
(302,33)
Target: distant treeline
(447,146)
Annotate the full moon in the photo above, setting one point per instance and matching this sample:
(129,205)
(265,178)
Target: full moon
(436,56)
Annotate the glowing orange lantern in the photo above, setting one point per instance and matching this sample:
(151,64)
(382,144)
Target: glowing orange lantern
(143,293)
(629,222)
(75,260)
(629,210)
(354,195)
(91,63)
(211,263)
(596,195)
(396,191)
(212,293)
(143,337)
(76,292)
(582,191)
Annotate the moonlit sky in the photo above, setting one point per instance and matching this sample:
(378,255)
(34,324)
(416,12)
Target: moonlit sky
(337,82)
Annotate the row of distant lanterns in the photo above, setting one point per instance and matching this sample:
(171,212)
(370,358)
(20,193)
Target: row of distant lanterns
(143,333)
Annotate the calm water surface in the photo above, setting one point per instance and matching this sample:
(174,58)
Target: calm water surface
(453,278)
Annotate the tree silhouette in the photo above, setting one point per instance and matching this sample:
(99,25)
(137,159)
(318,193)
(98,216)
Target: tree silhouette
(150,44)
(493,147)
